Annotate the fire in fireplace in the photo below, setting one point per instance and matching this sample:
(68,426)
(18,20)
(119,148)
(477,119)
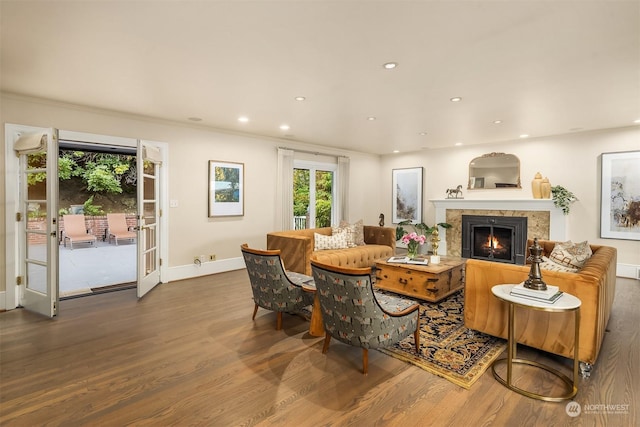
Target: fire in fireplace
(494,238)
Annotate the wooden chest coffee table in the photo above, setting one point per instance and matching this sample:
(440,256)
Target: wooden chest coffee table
(432,282)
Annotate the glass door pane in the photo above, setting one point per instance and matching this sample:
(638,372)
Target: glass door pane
(324,198)
(301,196)
(148,221)
(38,243)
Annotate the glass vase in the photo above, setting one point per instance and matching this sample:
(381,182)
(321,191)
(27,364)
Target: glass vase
(412,251)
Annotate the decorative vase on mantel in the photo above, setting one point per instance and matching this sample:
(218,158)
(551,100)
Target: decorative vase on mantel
(536,186)
(545,188)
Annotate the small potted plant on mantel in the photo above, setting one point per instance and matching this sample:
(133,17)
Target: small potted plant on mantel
(562,198)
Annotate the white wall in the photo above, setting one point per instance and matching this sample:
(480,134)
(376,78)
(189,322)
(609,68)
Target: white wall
(191,231)
(571,160)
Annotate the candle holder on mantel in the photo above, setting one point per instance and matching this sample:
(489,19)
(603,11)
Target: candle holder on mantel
(435,242)
(535,275)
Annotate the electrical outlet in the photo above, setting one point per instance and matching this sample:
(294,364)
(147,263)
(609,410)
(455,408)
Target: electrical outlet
(212,257)
(203,258)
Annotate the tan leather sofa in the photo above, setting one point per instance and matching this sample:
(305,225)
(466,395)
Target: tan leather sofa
(297,248)
(594,285)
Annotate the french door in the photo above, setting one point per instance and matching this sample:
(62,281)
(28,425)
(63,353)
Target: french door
(313,194)
(31,208)
(149,162)
(36,219)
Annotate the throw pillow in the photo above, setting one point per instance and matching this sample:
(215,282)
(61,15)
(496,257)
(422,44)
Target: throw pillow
(335,241)
(570,254)
(347,228)
(358,231)
(549,265)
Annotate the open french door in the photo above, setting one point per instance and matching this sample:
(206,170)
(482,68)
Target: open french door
(37,217)
(149,162)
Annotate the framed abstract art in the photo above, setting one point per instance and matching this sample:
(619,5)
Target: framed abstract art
(407,195)
(620,195)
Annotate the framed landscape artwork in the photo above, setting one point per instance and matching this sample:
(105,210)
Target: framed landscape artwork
(620,213)
(407,195)
(226,189)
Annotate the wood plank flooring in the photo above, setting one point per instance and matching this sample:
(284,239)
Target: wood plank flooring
(189,354)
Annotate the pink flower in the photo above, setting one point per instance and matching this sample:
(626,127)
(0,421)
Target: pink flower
(412,240)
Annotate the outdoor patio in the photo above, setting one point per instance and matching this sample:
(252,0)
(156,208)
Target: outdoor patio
(85,267)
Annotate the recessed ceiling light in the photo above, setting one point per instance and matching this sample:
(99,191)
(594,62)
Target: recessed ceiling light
(396,151)
(636,121)
(300,98)
(457,144)
(371,118)
(524,135)
(422,133)
(243,119)
(285,127)
(390,65)
(195,119)
(456,99)
(497,122)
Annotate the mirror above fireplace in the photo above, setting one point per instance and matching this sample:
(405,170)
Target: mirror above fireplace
(494,170)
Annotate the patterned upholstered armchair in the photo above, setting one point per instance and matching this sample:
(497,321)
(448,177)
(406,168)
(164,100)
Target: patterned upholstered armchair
(355,314)
(274,288)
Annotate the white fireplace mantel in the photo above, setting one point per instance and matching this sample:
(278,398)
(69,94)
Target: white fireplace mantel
(558,221)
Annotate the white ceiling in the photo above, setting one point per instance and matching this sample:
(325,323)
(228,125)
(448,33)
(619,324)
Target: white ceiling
(542,67)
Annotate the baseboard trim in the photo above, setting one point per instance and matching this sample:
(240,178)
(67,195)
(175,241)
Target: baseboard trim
(206,268)
(3,300)
(632,271)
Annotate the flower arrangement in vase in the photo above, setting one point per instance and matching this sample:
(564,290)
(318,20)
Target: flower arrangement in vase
(413,240)
(421,227)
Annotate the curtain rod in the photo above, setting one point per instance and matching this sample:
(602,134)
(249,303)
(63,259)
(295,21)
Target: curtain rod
(317,153)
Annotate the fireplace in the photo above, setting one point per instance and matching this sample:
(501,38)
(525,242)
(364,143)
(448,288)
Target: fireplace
(494,238)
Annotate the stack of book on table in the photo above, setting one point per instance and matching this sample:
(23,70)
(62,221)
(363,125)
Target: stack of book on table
(550,295)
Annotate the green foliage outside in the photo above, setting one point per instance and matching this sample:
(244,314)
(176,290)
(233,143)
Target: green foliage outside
(91,209)
(102,174)
(300,191)
(324,186)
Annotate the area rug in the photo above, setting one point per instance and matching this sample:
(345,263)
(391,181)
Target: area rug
(447,348)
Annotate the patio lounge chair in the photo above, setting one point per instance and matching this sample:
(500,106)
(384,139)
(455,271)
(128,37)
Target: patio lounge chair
(117,228)
(75,231)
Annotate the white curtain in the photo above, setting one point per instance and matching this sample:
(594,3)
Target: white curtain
(343,189)
(284,191)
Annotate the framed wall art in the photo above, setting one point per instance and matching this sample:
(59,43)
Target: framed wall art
(226,189)
(407,195)
(620,199)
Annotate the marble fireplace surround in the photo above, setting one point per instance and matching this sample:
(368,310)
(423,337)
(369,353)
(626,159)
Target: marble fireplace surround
(545,221)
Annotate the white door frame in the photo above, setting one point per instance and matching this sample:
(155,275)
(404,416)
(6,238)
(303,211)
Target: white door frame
(320,166)
(12,193)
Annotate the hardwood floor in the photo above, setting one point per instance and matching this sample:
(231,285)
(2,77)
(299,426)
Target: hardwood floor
(189,354)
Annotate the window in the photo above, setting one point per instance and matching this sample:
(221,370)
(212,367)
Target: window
(314,195)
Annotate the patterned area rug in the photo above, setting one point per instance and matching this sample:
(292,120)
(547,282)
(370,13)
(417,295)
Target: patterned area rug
(447,348)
